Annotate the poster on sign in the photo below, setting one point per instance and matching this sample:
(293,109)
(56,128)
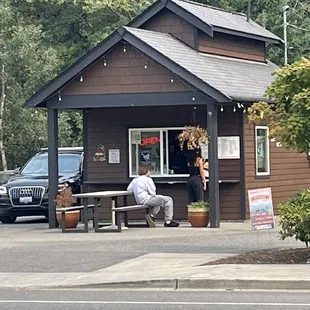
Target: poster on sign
(261,208)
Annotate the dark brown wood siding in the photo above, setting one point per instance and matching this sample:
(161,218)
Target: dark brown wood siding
(289,170)
(110,128)
(168,22)
(125,72)
(232,46)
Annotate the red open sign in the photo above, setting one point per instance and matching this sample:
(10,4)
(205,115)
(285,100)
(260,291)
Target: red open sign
(151,140)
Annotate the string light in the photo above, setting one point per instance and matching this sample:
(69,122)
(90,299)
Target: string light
(194,98)
(239,105)
(59,97)
(145,66)
(81,78)
(234,109)
(104,62)
(124,50)
(171,80)
(244,110)
(222,109)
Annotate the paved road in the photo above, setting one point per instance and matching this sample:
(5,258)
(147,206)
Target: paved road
(31,247)
(151,300)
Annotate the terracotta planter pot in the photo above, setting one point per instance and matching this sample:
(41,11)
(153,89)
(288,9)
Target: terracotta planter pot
(198,218)
(72,218)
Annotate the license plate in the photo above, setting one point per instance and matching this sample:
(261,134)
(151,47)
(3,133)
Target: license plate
(25,199)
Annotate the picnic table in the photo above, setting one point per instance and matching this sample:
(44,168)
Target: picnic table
(97,196)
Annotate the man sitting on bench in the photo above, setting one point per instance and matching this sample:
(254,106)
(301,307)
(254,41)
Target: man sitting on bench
(144,191)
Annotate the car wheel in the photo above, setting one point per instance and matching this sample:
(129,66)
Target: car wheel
(7,219)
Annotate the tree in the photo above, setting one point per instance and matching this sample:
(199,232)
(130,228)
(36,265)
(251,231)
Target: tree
(25,66)
(289,117)
(269,14)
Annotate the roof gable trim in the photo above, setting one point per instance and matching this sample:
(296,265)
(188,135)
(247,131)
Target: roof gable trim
(147,14)
(189,17)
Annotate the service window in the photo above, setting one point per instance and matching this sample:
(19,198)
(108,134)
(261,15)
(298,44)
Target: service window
(262,154)
(158,147)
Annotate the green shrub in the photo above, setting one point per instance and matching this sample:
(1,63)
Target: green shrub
(295,217)
(200,205)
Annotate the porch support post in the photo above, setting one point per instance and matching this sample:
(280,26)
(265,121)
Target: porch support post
(52,117)
(214,193)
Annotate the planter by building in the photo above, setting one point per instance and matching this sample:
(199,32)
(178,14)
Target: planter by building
(198,214)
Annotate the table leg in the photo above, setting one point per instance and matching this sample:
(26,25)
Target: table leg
(85,214)
(63,222)
(96,217)
(113,227)
(125,202)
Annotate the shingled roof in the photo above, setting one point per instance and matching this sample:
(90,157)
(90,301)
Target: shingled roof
(234,78)
(209,20)
(220,19)
(221,78)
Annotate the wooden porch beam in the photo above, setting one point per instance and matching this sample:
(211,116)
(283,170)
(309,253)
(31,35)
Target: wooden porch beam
(52,117)
(214,194)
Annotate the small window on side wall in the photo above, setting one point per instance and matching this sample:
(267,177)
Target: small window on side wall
(262,151)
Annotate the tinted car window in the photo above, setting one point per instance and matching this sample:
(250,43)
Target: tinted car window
(67,163)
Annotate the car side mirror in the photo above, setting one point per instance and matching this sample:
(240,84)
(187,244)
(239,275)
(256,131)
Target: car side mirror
(16,170)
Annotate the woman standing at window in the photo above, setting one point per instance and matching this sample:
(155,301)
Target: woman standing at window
(196,183)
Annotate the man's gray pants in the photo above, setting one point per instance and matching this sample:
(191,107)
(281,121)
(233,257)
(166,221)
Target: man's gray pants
(160,201)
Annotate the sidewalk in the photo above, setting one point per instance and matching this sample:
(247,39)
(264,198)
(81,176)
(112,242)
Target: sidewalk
(170,271)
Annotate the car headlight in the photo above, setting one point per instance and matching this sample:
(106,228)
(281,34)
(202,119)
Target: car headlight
(3,190)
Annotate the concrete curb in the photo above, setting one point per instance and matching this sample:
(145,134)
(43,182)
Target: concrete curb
(196,284)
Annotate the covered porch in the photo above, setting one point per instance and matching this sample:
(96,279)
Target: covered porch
(109,127)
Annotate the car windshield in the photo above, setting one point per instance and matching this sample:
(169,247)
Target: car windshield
(67,163)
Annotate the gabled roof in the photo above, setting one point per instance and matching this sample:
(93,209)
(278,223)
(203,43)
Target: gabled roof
(235,79)
(223,79)
(209,20)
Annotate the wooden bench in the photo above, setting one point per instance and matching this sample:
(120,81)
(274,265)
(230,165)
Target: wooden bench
(123,210)
(83,219)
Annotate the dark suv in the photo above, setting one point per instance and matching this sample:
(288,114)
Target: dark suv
(26,193)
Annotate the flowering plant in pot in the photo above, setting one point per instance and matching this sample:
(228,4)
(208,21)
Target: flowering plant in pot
(65,199)
(192,137)
(198,213)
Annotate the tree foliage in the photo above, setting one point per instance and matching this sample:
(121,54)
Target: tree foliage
(289,118)
(39,38)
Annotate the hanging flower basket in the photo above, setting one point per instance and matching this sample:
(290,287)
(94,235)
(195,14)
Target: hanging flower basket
(193,137)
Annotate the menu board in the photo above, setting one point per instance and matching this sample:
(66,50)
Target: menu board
(228,147)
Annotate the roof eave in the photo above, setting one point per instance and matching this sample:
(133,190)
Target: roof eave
(247,35)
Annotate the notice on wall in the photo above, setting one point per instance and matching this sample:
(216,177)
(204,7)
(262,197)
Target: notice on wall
(261,208)
(114,156)
(136,137)
(228,147)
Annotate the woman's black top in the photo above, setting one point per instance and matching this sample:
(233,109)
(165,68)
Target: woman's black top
(193,170)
